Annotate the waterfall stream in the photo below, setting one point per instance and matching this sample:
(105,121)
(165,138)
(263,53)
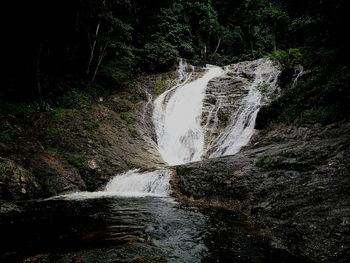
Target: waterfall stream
(240,128)
(181,125)
(177,118)
(178,114)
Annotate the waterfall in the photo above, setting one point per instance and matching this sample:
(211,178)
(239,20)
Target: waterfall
(241,125)
(181,125)
(177,117)
(134,183)
(131,184)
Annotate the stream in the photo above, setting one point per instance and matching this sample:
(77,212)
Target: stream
(134,218)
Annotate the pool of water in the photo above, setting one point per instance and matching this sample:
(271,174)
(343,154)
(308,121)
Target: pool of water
(115,229)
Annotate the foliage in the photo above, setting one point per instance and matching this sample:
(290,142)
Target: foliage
(318,114)
(287,58)
(75,47)
(8,131)
(160,54)
(321,95)
(75,99)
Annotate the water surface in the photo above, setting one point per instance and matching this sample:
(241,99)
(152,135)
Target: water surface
(115,229)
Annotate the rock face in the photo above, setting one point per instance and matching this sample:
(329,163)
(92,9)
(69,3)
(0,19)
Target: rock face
(47,176)
(16,182)
(223,96)
(293,181)
(68,150)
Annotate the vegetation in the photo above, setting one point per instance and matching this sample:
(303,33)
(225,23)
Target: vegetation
(77,160)
(268,162)
(8,131)
(53,135)
(65,53)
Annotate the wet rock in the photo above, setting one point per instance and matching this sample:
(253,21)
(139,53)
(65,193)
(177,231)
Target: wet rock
(7,207)
(294,181)
(16,182)
(55,176)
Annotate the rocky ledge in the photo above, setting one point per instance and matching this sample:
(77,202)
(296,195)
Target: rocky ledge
(292,181)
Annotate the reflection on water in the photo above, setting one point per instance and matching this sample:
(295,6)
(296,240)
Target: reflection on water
(129,230)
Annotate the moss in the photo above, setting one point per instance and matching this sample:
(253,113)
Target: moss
(161,83)
(268,162)
(323,115)
(78,160)
(52,150)
(61,114)
(120,105)
(224,117)
(86,121)
(126,117)
(53,135)
(133,132)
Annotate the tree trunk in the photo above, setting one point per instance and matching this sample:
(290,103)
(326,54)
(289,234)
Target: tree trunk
(217,46)
(274,42)
(92,48)
(99,60)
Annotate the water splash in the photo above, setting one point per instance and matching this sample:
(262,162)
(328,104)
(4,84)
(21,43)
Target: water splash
(131,184)
(134,183)
(177,117)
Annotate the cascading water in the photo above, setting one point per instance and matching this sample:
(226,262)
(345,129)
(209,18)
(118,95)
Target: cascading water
(132,184)
(177,117)
(241,125)
(181,127)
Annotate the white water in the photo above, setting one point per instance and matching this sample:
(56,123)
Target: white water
(241,126)
(178,111)
(131,184)
(177,117)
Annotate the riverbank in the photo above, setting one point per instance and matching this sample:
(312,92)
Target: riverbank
(79,146)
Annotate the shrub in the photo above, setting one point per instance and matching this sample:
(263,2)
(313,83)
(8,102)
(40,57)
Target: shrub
(75,99)
(288,58)
(60,114)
